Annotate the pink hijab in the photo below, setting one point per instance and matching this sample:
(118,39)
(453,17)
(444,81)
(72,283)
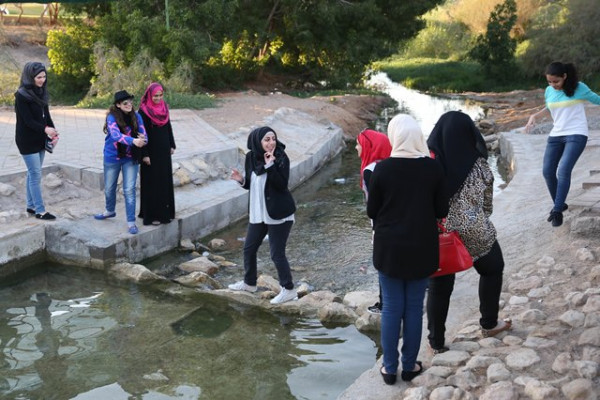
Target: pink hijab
(158,113)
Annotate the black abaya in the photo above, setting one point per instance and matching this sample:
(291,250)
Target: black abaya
(157,197)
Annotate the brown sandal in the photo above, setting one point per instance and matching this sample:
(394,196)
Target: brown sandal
(502,325)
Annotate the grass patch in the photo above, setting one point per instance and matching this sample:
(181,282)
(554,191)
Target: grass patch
(304,94)
(444,76)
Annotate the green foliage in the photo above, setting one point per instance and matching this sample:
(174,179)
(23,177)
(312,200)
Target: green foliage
(439,39)
(495,49)
(437,76)
(174,100)
(9,82)
(228,41)
(566,31)
(69,52)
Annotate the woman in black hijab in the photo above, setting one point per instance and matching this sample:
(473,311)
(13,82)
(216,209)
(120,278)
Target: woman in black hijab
(33,129)
(271,209)
(458,146)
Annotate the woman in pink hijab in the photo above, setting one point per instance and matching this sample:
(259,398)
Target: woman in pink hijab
(157,197)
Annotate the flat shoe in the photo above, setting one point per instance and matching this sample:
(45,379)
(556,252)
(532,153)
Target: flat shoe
(30,211)
(133,229)
(389,379)
(440,350)
(501,326)
(408,376)
(102,216)
(45,216)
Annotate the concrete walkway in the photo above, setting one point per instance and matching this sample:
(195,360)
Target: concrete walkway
(76,238)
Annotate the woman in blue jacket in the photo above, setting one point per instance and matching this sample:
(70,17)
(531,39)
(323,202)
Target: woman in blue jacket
(125,134)
(271,209)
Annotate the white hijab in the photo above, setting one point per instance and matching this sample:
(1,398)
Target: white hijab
(406,138)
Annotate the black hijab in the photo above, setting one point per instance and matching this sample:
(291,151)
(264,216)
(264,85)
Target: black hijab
(457,144)
(257,158)
(28,89)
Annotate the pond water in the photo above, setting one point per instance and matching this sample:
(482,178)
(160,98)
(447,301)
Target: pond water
(67,333)
(73,334)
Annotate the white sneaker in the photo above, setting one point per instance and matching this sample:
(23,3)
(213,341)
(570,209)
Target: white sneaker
(285,295)
(241,285)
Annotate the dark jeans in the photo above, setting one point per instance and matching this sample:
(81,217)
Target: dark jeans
(562,152)
(489,268)
(278,236)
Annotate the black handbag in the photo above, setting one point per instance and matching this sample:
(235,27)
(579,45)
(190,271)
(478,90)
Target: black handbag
(49,146)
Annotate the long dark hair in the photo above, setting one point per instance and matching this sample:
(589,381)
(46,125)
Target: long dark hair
(123,120)
(571,81)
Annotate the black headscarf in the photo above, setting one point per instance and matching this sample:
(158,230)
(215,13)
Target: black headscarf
(258,153)
(457,144)
(28,88)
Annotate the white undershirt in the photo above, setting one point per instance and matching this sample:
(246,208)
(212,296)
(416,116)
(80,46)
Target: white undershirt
(258,205)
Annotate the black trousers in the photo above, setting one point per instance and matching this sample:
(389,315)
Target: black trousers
(278,236)
(489,268)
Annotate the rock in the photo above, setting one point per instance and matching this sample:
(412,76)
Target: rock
(587,369)
(217,244)
(584,254)
(418,393)
(546,261)
(562,363)
(539,292)
(201,264)
(532,316)
(368,322)
(587,226)
(511,340)
(52,181)
(592,320)
(450,358)
(360,299)
(499,391)
(576,299)
(579,389)
(526,284)
(156,376)
(6,189)
(517,300)
(590,336)
(268,282)
(572,318)
(537,390)
(592,305)
(481,362)
(198,279)
(450,393)
(134,272)
(187,245)
(226,264)
(336,313)
(465,380)
(497,372)
(522,359)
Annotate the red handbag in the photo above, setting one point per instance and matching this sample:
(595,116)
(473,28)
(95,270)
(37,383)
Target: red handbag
(454,256)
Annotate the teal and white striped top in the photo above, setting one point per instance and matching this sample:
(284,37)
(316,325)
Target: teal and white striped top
(568,113)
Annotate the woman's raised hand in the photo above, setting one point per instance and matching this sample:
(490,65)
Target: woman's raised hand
(236,176)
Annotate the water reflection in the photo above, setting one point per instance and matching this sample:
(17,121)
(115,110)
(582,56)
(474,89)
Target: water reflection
(70,334)
(425,108)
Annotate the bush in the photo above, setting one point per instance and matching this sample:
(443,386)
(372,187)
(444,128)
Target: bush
(445,40)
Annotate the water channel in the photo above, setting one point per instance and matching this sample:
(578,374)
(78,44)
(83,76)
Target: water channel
(67,333)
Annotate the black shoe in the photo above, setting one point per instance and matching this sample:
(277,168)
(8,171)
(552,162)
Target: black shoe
(565,208)
(556,218)
(46,216)
(30,211)
(408,376)
(439,350)
(389,379)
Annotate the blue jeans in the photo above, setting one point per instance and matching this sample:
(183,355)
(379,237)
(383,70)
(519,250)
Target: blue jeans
(34,181)
(111,176)
(562,152)
(402,309)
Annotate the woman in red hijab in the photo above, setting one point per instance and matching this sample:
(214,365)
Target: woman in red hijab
(372,147)
(157,197)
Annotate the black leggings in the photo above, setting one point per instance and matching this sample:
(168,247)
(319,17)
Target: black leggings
(489,268)
(278,236)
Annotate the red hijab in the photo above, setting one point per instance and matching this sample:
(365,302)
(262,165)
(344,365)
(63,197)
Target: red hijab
(158,113)
(375,147)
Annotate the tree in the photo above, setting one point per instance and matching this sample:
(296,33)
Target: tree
(495,49)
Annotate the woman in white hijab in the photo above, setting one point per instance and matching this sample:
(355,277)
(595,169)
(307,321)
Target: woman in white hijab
(406,196)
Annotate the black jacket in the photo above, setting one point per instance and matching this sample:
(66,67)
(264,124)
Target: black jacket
(32,120)
(279,200)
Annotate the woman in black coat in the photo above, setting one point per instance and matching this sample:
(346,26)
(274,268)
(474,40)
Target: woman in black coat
(33,129)
(406,195)
(271,209)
